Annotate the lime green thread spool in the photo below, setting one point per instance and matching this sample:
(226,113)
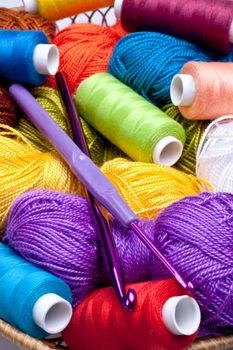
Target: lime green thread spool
(136,126)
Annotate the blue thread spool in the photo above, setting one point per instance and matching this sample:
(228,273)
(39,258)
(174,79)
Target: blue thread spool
(31,299)
(27,57)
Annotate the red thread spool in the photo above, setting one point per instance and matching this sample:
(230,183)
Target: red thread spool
(99,322)
(85,49)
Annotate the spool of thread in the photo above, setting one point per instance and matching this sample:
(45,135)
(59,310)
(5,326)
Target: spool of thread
(148,61)
(52,103)
(215,154)
(21,20)
(8,110)
(203,90)
(130,122)
(149,188)
(55,9)
(22,168)
(26,57)
(163,316)
(31,299)
(207,22)
(57,232)
(193,131)
(85,49)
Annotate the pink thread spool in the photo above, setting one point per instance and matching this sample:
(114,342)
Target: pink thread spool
(206,22)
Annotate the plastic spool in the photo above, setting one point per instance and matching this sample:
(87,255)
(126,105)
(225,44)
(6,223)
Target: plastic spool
(181,315)
(52,313)
(46,59)
(30,6)
(168,151)
(183,90)
(118,9)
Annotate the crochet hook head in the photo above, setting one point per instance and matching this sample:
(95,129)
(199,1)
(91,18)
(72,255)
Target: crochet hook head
(111,258)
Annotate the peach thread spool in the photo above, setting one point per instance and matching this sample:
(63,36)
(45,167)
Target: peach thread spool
(203,90)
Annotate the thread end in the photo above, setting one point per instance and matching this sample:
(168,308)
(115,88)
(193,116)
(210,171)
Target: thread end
(183,90)
(30,6)
(168,151)
(117,8)
(52,313)
(46,59)
(182,315)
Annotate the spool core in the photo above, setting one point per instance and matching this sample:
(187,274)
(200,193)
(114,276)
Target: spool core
(117,8)
(183,90)
(30,6)
(52,313)
(46,59)
(182,315)
(168,151)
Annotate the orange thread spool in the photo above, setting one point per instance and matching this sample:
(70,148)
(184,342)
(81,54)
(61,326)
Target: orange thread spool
(99,322)
(85,49)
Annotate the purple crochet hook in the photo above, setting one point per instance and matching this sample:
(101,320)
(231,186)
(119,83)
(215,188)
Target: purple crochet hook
(87,172)
(109,251)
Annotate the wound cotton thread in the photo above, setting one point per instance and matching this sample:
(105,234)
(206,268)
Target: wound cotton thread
(148,61)
(99,323)
(21,20)
(85,49)
(8,109)
(203,90)
(55,9)
(21,286)
(56,231)
(195,234)
(35,58)
(23,167)
(208,23)
(149,188)
(193,131)
(215,154)
(130,122)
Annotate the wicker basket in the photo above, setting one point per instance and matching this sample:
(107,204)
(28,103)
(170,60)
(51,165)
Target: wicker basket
(26,342)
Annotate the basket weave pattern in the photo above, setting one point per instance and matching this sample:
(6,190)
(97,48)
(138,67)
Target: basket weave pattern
(25,341)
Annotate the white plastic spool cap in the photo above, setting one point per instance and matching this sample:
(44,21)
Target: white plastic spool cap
(231,33)
(181,315)
(52,313)
(168,151)
(183,90)
(30,6)
(46,59)
(117,8)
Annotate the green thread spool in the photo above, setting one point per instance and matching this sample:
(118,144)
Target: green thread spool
(194,131)
(133,124)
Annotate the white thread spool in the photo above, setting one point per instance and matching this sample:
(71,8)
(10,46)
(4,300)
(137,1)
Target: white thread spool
(183,90)
(46,59)
(181,315)
(31,6)
(215,154)
(52,313)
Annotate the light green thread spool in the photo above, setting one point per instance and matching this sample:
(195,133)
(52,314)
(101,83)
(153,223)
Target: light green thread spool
(137,127)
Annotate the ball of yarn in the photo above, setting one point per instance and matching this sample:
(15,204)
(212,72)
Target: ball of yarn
(100,323)
(215,154)
(52,103)
(56,231)
(195,234)
(193,131)
(85,49)
(22,167)
(8,109)
(21,20)
(147,62)
(149,188)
